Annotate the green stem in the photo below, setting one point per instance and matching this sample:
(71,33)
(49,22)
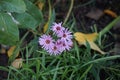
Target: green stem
(68,14)
(109,26)
(50,10)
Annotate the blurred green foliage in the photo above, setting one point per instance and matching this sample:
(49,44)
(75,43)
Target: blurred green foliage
(15,14)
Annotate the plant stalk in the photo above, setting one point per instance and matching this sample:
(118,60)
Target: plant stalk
(109,26)
(68,14)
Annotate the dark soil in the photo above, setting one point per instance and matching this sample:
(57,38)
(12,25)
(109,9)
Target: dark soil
(3,62)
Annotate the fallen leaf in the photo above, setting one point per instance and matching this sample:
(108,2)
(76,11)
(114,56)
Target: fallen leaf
(111,13)
(95,14)
(11,51)
(82,38)
(17,63)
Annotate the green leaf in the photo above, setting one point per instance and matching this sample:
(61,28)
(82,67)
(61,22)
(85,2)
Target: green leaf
(12,6)
(34,11)
(9,33)
(26,20)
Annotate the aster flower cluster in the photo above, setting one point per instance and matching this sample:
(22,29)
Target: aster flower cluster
(63,42)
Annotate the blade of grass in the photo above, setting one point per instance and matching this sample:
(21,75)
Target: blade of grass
(55,74)
(72,75)
(17,48)
(14,69)
(72,25)
(27,70)
(37,69)
(77,50)
(109,26)
(64,73)
(43,61)
(101,59)
(87,70)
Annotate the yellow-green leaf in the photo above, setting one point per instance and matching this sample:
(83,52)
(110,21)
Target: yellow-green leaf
(11,51)
(82,38)
(95,47)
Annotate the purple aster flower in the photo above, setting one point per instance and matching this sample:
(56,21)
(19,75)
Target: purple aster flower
(46,41)
(65,35)
(57,28)
(67,44)
(59,43)
(63,42)
(54,50)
